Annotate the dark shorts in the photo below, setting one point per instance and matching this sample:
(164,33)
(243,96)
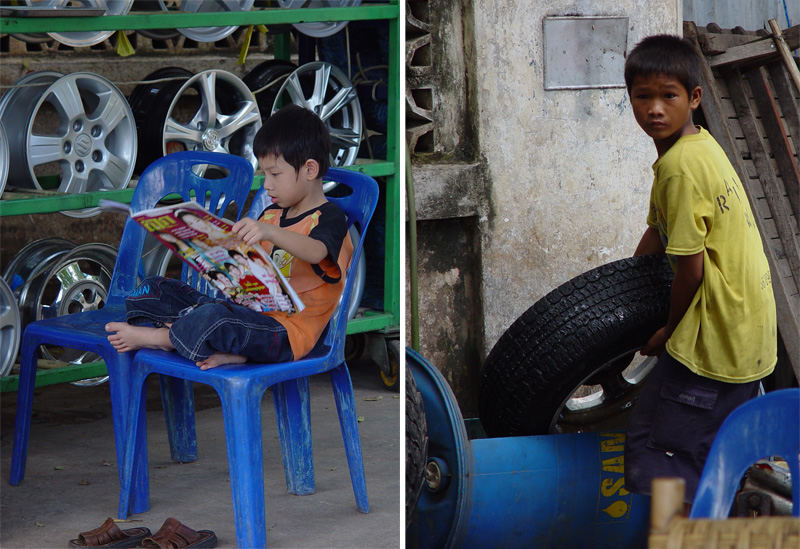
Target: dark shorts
(203,325)
(674,422)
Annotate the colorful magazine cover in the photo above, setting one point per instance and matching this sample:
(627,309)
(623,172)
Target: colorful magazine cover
(243,273)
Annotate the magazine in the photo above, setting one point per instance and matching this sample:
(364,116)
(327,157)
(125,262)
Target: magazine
(244,273)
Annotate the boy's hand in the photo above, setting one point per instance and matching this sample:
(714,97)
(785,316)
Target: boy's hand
(655,345)
(251,231)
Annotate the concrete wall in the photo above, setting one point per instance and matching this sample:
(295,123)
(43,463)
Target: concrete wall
(546,183)
(569,169)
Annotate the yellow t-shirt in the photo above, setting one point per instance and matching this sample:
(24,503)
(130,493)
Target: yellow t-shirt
(698,204)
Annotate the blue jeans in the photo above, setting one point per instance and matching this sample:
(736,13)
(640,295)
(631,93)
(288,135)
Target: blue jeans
(203,325)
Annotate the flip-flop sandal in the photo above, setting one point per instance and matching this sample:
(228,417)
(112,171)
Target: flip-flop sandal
(109,535)
(174,535)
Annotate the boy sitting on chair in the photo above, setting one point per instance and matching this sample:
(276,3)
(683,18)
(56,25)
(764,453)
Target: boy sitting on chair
(301,226)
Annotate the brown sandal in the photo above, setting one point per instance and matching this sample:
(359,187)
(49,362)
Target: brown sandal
(174,535)
(109,535)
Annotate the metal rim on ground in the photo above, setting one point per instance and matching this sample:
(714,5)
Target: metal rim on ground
(75,282)
(10,328)
(4,156)
(85,38)
(610,390)
(213,111)
(319,29)
(81,129)
(209,34)
(325,90)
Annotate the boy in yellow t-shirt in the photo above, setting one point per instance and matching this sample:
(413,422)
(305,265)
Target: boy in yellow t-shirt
(720,337)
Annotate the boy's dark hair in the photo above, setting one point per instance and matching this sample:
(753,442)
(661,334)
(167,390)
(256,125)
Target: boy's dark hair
(297,134)
(664,54)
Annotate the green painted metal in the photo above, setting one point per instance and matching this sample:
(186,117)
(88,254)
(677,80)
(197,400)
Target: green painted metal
(72,372)
(43,202)
(161,20)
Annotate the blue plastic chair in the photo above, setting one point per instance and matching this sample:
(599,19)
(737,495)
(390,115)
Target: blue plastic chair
(172,174)
(241,389)
(763,427)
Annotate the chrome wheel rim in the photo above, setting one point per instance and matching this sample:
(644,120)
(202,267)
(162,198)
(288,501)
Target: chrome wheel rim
(324,89)
(209,34)
(84,38)
(265,79)
(213,111)
(94,144)
(16,108)
(319,29)
(4,156)
(75,282)
(610,391)
(79,129)
(10,328)
(33,258)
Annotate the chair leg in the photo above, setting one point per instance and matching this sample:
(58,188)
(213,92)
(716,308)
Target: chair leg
(131,499)
(119,372)
(293,414)
(241,410)
(177,398)
(346,407)
(22,421)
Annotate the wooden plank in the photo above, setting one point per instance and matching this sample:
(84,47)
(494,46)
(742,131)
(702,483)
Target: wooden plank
(766,171)
(783,48)
(776,134)
(788,100)
(714,43)
(756,52)
(787,307)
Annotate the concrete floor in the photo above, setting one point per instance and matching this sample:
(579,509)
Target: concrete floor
(71,480)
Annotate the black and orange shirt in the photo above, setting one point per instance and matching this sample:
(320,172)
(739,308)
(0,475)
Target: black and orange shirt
(319,285)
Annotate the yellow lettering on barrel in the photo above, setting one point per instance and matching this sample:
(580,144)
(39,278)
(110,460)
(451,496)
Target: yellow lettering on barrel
(614,444)
(616,509)
(609,487)
(614,465)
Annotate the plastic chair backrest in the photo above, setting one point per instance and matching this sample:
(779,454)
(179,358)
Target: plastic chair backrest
(227,179)
(358,207)
(763,427)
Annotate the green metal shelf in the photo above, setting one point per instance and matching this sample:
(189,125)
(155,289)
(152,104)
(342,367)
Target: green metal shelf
(49,202)
(172,20)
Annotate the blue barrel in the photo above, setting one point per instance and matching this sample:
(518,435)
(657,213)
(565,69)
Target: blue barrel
(549,491)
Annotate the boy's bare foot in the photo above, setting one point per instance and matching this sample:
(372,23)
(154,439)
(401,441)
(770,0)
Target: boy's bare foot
(217,359)
(126,337)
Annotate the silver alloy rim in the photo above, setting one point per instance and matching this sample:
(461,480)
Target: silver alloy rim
(3,158)
(209,34)
(75,282)
(33,258)
(604,394)
(10,328)
(222,116)
(319,29)
(84,38)
(324,89)
(80,128)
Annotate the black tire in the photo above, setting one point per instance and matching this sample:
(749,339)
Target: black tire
(416,445)
(586,331)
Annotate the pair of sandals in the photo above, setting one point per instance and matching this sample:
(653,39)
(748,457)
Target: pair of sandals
(171,535)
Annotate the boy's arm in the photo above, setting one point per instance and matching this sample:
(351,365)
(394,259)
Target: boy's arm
(688,276)
(650,243)
(301,246)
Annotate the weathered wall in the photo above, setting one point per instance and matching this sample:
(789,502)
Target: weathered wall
(569,169)
(538,185)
